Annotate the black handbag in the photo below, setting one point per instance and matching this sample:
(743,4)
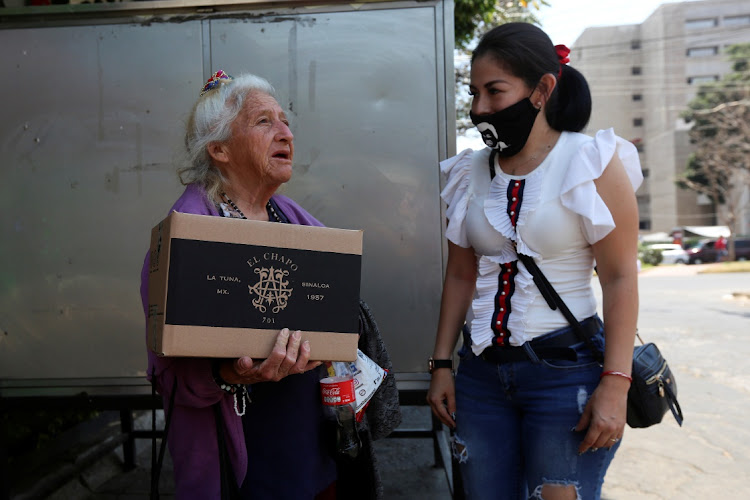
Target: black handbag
(653,389)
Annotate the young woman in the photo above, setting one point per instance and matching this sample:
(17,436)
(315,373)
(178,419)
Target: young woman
(537,415)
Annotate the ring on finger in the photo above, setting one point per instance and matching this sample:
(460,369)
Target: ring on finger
(614,440)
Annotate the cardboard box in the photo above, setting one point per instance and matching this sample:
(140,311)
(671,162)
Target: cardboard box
(223,287)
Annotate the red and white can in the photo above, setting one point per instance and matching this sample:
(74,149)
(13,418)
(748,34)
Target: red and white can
(337,391)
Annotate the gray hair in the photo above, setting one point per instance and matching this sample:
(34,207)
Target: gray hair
(211,121)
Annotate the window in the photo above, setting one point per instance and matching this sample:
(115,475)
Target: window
(637,97)
(635,70)
(698,80)
(702,51)
(635,44)
(644,225)
(736,20)
(703,199)
(698,24)
(639,147)
(645,173)
(637,122)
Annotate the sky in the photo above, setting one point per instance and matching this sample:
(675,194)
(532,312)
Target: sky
(565,20)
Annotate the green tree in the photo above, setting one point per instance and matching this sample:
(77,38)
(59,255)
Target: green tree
(719,166)
(472,15)
(471,19)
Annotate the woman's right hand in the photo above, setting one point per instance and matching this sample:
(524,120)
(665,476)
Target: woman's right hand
(290,356)
(442,396)
(458,290)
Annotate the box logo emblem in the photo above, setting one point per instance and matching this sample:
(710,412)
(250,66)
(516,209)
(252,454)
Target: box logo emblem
(272,289)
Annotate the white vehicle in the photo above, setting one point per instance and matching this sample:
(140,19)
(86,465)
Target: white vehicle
(671,253)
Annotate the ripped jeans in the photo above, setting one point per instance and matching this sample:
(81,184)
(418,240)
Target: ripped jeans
(514,426)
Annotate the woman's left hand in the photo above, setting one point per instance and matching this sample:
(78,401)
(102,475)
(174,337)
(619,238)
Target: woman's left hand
(604,415)
(290,356)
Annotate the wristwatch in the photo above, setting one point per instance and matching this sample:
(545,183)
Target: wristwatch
(434,364)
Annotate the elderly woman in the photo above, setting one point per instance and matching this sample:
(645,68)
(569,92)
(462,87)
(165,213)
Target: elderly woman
(240,151)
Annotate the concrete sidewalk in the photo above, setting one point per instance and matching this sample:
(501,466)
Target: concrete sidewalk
(701,329)
(407,468)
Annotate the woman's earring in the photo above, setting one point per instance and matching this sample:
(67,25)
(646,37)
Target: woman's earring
(539,105)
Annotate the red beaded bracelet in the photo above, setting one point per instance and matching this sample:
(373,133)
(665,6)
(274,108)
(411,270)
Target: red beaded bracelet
(617,374)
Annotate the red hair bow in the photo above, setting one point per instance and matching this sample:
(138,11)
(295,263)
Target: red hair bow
(562,53)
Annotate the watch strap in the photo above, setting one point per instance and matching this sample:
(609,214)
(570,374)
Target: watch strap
(434,364)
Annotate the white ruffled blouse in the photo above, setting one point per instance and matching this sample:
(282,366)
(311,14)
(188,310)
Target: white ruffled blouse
(554,214)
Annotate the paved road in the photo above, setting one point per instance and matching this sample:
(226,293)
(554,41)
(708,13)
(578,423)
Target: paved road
(702,332)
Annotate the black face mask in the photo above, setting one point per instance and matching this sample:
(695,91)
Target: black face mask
(507,130)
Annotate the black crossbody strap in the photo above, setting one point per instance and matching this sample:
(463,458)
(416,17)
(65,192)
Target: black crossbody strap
(556,302)
(228,484)
(493,154)
(674,406)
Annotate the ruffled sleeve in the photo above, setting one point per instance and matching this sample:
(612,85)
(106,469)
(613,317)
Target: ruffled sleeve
(456,195)
(578,191)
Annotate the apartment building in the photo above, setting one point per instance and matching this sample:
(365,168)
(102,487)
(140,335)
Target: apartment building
(642,77)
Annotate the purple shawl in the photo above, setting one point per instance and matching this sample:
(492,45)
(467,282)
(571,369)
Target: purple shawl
(196,467)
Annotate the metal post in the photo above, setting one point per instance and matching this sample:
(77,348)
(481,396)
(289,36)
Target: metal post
(437,428)
(128,446)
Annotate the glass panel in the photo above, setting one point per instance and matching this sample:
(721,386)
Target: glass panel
(736,20)
(702,51)
(694,24)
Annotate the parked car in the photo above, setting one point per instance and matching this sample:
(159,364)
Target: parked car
(671,253)
(703,252)
(742,249)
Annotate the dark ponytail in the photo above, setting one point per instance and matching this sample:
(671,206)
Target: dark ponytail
(527,52)
(569,106)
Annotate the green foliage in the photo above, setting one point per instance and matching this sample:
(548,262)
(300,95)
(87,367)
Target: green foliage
(739,56)
(720,114)
(470,16)
(467,14)
(732,87)
(695,174)
(649,255)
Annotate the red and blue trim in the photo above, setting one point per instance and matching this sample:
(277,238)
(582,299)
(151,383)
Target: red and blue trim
(508,271)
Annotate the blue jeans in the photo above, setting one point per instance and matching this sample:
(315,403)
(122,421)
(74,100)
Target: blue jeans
(514,426)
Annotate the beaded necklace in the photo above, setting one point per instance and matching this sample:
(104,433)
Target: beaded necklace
(239,391)
(272,215)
